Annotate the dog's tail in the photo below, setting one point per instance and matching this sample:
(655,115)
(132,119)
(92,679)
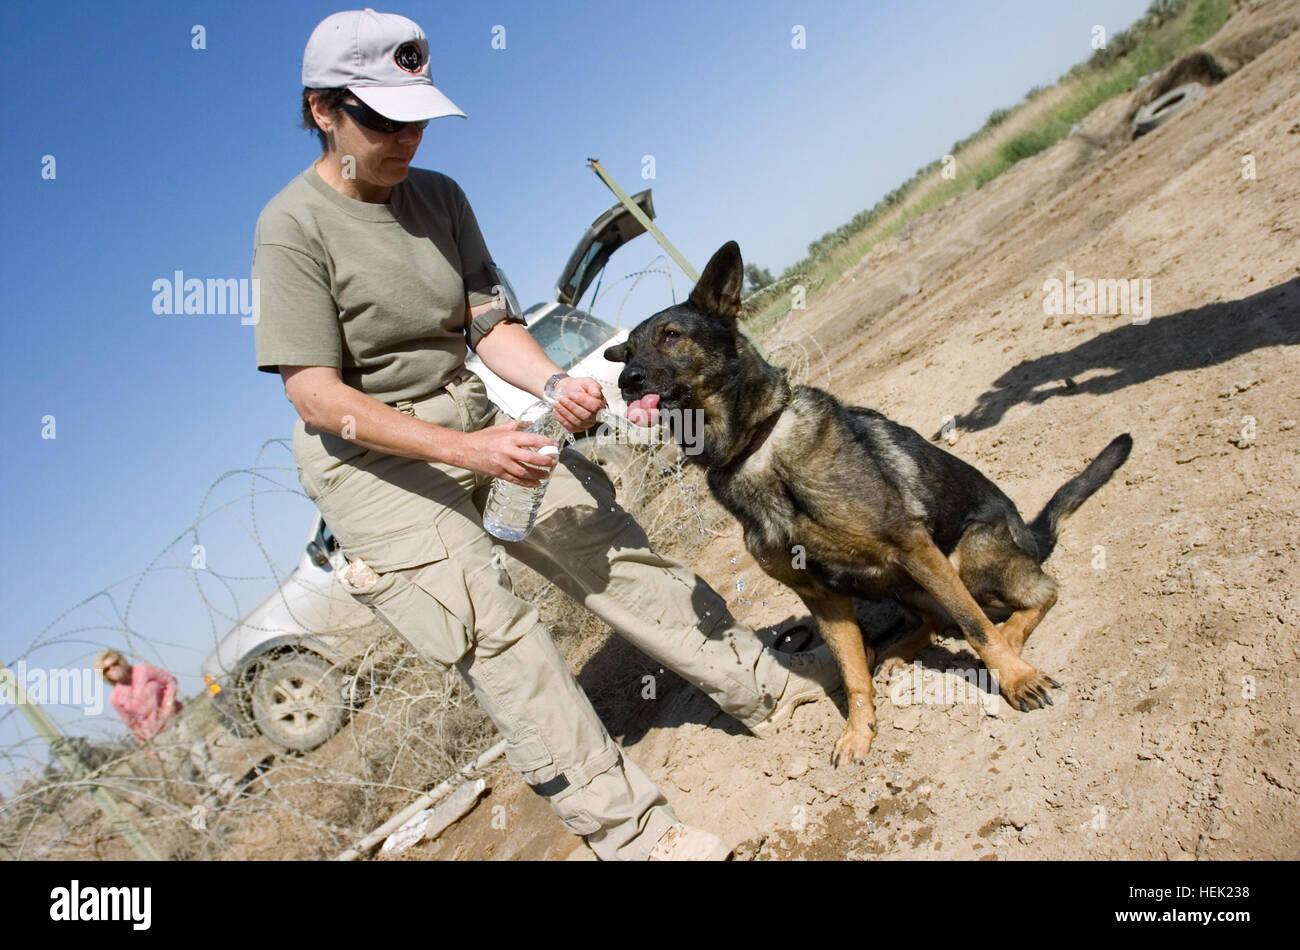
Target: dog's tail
(1076,491)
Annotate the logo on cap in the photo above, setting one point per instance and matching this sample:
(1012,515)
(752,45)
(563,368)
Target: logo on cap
(409,58)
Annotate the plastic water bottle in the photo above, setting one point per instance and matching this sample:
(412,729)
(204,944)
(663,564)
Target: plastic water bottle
(511,509)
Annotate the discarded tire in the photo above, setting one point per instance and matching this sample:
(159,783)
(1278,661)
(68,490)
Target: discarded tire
(1170,104)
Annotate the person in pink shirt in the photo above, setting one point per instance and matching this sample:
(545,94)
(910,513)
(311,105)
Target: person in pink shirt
(145,697)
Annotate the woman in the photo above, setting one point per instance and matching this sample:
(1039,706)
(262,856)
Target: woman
(373,278)
(144,696)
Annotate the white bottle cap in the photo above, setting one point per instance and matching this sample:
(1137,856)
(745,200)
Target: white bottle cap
(545,450)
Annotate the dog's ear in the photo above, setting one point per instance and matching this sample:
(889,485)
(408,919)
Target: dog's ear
(718,289)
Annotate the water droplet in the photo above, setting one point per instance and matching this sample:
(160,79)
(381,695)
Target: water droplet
(740,584)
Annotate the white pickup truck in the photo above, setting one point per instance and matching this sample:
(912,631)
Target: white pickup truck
(289,667)
(573,338)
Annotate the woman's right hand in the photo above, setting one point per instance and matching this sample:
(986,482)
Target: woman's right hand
(502,451)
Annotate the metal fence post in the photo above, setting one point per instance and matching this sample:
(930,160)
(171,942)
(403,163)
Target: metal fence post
(74,766)
(659,236)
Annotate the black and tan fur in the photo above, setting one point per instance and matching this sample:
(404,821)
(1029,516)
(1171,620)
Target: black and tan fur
(838,502)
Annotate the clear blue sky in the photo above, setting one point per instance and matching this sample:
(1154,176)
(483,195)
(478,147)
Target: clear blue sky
(165,155)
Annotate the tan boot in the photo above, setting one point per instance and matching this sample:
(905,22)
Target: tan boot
(813,674)
(684,843)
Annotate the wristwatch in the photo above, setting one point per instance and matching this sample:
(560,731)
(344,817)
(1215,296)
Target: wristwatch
(548,391)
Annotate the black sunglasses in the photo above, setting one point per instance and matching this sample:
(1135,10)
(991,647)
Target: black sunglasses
(372,120)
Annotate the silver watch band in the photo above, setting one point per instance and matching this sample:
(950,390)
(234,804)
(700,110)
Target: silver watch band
(548,391)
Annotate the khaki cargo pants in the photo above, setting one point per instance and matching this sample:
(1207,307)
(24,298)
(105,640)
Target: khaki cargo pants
(435,577)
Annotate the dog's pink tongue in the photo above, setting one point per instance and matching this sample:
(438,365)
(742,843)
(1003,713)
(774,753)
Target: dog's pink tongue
(644,411)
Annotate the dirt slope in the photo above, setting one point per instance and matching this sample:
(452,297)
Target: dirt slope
(1176,631)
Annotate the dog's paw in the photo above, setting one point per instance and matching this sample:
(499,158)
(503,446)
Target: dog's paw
(1030,690)
(889,667)
(853,745)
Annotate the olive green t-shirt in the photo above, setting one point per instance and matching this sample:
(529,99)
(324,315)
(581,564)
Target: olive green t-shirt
(379,291)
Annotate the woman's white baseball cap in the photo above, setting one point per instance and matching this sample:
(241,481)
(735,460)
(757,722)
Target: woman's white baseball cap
(382,59)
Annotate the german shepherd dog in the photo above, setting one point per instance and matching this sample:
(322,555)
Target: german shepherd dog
(838,502)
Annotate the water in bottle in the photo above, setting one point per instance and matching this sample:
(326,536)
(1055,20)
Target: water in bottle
(511,509)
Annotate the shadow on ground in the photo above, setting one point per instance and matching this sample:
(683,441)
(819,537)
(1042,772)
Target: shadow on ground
(1132,354)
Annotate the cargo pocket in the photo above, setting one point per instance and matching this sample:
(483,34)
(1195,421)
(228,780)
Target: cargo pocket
(409,600)
(530,757)
(398,550)
(565,800)
(577,820)
(401,577)
(528,754)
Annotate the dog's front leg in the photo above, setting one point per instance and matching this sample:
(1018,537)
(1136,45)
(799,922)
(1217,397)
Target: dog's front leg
(1023,686)
(839,628)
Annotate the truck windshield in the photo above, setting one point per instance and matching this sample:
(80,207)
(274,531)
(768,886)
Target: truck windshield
(567,338)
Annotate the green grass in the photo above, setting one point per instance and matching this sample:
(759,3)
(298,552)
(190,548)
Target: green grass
(1167,30)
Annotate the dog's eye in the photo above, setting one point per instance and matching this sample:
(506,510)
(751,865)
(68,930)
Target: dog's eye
(670,335)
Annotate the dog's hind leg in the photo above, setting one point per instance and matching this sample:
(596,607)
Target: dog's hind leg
(1000,575)
(1020,684)
(903,651)
(1032,597)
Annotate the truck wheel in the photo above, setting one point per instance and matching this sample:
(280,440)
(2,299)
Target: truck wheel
(1171,103)
(298,701)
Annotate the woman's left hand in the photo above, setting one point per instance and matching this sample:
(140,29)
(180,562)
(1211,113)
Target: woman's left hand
(580,398)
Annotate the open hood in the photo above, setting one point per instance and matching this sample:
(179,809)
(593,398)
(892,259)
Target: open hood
(607,234)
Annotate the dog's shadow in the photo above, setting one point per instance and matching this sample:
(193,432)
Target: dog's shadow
(1134,353)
